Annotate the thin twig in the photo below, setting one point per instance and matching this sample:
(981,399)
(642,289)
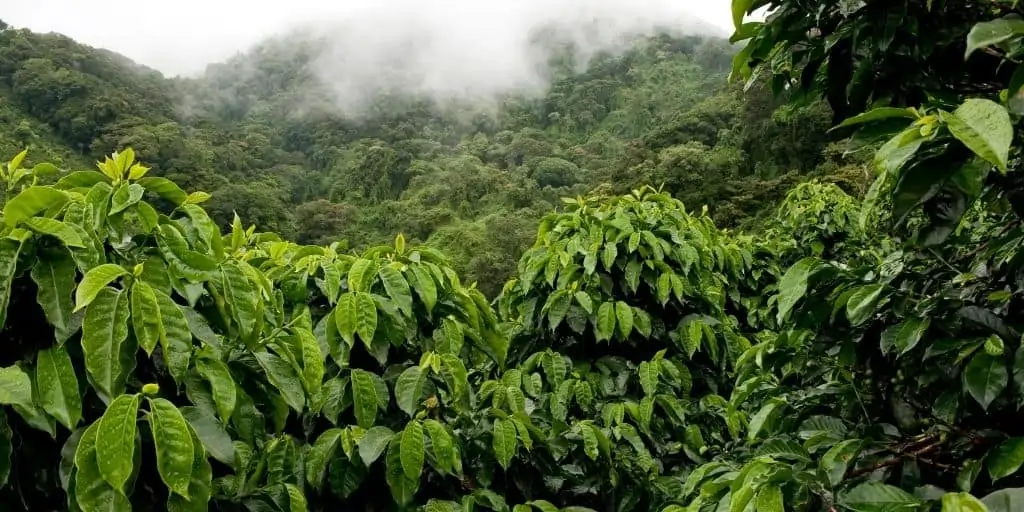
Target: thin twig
(896,460)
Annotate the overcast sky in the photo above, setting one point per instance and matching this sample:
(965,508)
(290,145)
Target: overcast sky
(182,36)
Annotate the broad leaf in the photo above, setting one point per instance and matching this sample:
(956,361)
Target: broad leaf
(985,378)
(115,440)
(175,451)
(984,127)
(57,385)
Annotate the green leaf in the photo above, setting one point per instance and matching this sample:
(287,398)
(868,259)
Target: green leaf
(365,317)
(364,396)
(985,378)
(58,386)
(165,188)
(240,295)
(504,441)
(373,443)
(175,451)
(862,303)
(104,330)
(92,492)
(759,419)
(15,387)
(95,280)
(962,502)
(55,280)
(910,333)
(115,440)
(146,321)
(838,458)
(409,389)
(30,202)
(878,497)
(441,444)
(125,196)
(605,321)
(624,318)
(425,287)
(897,151)
(983,126)
(397,288)
(413,450)
(608,255)
(9,250)
(403,488)
(793,285)
(990,33)
(200,485)
(211,434)
(739,11)
(320,455)
(769,499)
(345,317)
(221,385)
(282,375)
(175,336)
(878,114)
(57,229)
(1005,459)
(649,373)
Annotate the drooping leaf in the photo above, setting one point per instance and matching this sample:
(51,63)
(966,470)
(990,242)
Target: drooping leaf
(413,450)
(145,312)
(115,440)
(397,288)
(104,330)
(15,387)
(175,451)
(222,385)
(605,321)
(365,317)
(993,32)
(373,443)
(54,276)
(624,318)
(175,336)
(200,486)
(403,488)
(30,202)
(364,395)
(1005,459)
(282,375)
(793,285)
(57,385)
(504,441)
(863,302)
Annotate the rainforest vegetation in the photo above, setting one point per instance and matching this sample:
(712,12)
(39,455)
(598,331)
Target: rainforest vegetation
(652,289)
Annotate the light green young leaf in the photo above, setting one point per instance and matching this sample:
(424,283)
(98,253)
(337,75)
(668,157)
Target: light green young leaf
(30,202)
(115,440)
(57,385)
(962,502)
(95,280)
(175,451)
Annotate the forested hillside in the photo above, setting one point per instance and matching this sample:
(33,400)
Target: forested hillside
(265,135)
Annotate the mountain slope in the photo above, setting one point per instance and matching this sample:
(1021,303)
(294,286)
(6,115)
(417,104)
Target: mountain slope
(268,135)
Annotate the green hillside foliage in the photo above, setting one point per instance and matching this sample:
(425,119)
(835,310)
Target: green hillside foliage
(267,138)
